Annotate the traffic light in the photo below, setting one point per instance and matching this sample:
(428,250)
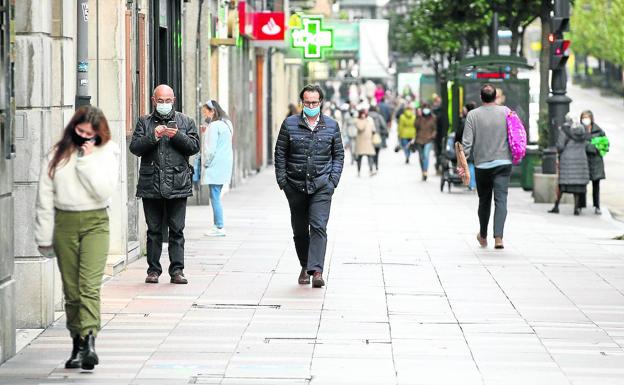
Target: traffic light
(559,23)
(559,53)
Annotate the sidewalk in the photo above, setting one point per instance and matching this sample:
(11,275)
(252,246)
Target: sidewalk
(410,298)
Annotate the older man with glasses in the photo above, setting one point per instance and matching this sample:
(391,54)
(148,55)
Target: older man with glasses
(165,140)
(309,157)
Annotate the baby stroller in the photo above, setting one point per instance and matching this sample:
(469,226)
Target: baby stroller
(448,160)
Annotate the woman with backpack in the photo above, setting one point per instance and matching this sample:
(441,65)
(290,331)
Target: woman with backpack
(219,160)
(594,155)
(76,184)
(573,165)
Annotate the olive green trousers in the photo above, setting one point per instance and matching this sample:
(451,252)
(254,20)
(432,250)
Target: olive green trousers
(81,246)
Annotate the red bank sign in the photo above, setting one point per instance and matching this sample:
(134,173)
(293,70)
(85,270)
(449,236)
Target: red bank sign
(262,26)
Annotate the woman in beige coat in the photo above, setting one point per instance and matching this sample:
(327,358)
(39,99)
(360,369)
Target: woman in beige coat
(364,140)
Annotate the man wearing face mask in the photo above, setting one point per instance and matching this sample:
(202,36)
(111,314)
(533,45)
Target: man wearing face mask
(309,157)
(165,140)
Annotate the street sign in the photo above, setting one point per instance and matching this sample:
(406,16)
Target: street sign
(312,37)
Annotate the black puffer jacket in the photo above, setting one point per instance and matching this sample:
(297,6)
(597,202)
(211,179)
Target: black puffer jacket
(596,163)
(165,170)
(308,160)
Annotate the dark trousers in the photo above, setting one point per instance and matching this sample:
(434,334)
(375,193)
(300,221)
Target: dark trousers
(309,214)
(596,193)
(493,181)
(369,158)
(376,159)
(175,218)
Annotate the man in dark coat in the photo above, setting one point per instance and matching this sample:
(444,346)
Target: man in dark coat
(165,140)
(309,157)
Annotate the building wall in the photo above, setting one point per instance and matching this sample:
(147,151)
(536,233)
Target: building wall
(7,282)
(42,105)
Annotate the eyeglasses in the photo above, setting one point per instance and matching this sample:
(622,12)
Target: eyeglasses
(312,104)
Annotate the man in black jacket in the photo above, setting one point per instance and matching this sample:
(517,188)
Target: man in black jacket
(164,140)
(308,163)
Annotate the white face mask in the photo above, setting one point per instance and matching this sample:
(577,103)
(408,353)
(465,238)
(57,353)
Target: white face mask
(586,121)
(164,108)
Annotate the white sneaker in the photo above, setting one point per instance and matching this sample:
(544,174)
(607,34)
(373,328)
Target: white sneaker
(215,232)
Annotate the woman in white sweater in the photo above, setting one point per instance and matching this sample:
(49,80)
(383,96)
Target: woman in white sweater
(75,187)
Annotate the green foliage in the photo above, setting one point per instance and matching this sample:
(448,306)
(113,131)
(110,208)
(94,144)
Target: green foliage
(438,28)
(597,29)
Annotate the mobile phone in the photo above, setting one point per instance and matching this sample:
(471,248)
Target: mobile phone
(172,124)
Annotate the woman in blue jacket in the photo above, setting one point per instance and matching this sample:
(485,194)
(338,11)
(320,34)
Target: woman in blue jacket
(218,160)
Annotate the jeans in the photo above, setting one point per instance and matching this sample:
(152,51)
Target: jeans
(176,216)
(215,202)
(473,178)
(423,154)
(81,244)
(309,214)
(493,181)
(405,146)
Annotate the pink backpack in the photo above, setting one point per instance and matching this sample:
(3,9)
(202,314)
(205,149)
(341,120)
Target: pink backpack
(516,134)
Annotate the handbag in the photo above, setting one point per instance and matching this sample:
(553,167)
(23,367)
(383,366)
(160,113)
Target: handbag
(376,139)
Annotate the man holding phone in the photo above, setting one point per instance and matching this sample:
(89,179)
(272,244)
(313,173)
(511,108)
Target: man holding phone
(165,140)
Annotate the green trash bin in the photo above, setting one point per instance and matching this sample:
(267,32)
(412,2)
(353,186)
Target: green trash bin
(532,159)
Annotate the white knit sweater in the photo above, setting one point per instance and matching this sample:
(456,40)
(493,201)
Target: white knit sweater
(82,184)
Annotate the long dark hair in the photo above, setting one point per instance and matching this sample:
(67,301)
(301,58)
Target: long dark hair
(219,113)
(65,147)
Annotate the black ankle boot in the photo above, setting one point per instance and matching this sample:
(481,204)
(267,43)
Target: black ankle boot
(75,361)
(89,356)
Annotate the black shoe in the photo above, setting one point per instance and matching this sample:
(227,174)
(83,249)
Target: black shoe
(89,356)
(597,211)
(554,210)
(304,277)
(152,277)
(317,279)
(75,361)
(178,278)
(577,211)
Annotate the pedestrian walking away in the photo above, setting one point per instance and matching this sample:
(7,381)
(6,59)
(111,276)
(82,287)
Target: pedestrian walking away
(485,141)
(309,158)
(407,130)
(164,140)
(573,164)
(426,129)
(380,136)
(364,141)
(76,184)
(219,160)
(594,156)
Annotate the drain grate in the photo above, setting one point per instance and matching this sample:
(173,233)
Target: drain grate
(229,306)
(218,379)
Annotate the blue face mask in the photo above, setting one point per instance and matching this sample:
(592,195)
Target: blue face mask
(311,112)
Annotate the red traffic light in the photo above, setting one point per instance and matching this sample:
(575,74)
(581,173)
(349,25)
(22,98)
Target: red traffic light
(551,38)
(562,48)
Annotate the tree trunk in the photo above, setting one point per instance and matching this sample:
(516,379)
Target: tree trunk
(522,41)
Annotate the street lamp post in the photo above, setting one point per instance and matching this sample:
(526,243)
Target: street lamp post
(558,101)
(82,54)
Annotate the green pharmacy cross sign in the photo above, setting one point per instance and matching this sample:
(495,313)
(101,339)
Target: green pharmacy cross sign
(312,38)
